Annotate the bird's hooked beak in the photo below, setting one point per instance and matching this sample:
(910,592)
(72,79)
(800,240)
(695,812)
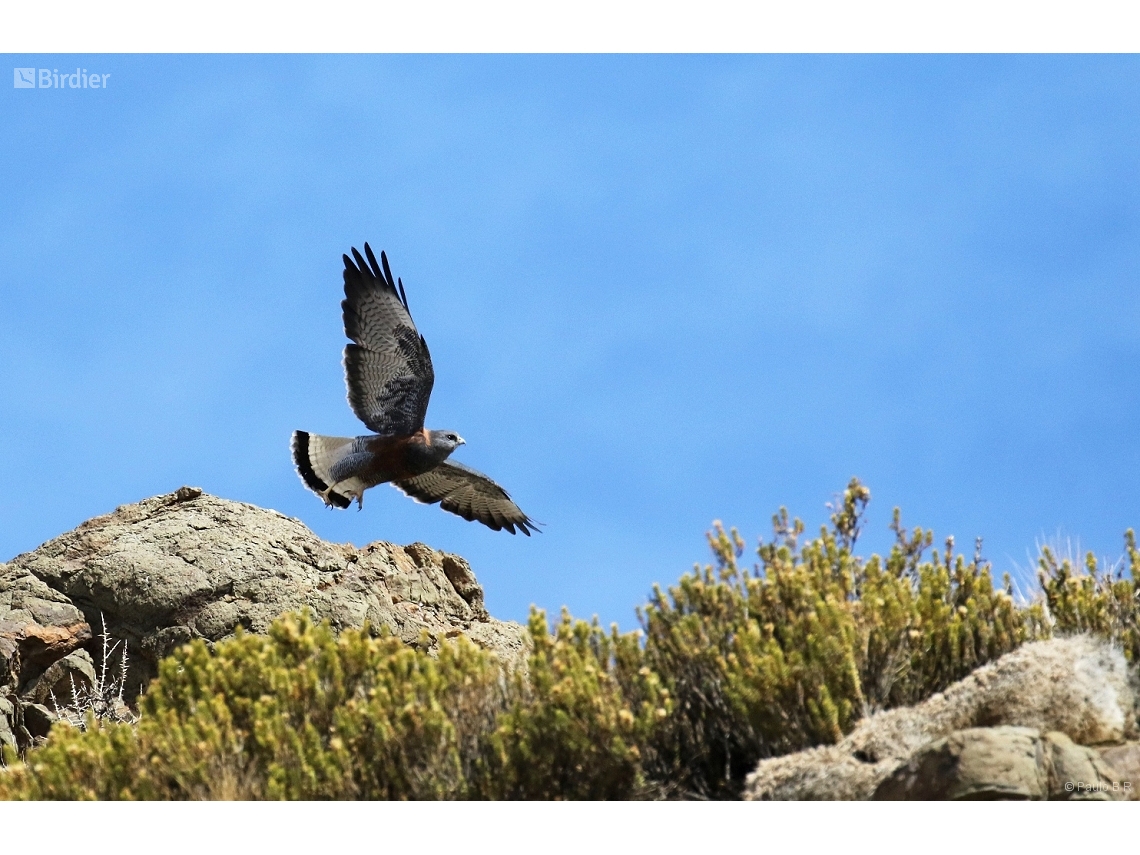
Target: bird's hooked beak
(460,440)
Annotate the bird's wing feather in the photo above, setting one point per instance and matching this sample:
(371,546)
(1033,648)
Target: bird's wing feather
(470,494)
(388,368)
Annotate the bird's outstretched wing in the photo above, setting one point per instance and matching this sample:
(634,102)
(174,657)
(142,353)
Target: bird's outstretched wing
(388,368)
(470,494)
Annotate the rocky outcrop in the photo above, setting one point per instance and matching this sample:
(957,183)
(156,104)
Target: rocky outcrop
(189,565)
(1055,696)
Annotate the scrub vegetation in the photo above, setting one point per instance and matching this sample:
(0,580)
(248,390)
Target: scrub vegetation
(732,664)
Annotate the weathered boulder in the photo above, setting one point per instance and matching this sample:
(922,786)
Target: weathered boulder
(189,565)
(1007,763)
(38,627)
(65,681)
(1078,686)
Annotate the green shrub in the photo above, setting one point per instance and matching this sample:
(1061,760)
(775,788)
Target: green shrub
(1095,601)
(302,714)
(793,653)
(297,714)
(573,731)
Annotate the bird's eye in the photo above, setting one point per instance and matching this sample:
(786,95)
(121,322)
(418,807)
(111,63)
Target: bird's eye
(452,437)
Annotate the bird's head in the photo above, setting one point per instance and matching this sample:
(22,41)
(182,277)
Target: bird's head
(448,440)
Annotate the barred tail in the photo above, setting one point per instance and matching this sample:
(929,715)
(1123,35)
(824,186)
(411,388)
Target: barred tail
(314,456)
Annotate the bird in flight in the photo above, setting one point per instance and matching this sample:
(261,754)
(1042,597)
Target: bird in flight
(389,375)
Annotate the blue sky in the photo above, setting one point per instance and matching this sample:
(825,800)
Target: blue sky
(658,291)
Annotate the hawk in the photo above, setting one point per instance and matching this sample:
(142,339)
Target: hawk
(389,375)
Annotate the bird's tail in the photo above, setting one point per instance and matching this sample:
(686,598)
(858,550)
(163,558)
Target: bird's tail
(315,456)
